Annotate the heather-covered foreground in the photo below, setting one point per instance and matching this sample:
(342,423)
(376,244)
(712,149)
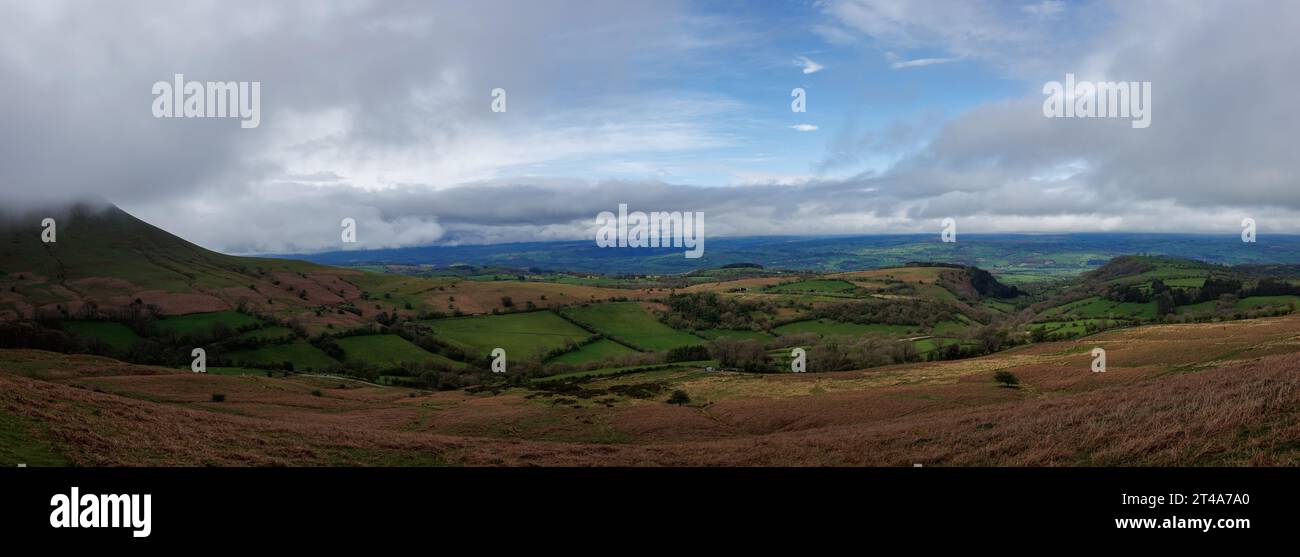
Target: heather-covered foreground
(1173,395)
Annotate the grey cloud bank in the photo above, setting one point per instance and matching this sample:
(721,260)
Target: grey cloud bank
(378,111)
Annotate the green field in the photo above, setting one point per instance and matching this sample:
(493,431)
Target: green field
(303,355)
(1097,307)
(116,335)
(948,328)
(592,352)
(1261,301)
(268,334)
(1077,327)
(999,306)
(820,286)
(1195,282)
(196,323)
(388,350)
(520,334)
(1171,273)
(630,323)
(396,291)
(621,370)
(712,334)
(927,345)
(826,327)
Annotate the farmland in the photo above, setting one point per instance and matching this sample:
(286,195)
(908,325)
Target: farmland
(814,286)
(116,335)
(197,323)
(302,355)
(387,350)
(387,364)
(596,351)
(826,327)
(876,417)
(520,334)
(628,322)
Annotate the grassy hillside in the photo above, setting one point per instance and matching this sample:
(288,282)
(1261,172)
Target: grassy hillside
(521,334)
(388,350)
(116,335)
(629,323)
(593,352)
(302,355)
(1189,395)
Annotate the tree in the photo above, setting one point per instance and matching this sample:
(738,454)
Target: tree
(679,397)
(1007,379)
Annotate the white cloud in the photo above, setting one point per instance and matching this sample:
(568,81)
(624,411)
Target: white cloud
(1046,8)
(1014,40)
(396,130)
(921,62)
(809,66)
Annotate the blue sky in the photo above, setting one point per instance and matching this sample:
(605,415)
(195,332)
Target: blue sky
(763,49)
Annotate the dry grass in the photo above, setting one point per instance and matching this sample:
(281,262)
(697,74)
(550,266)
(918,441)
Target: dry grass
(1211,394)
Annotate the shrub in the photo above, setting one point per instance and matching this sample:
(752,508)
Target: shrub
(317,393)
(1007,379)
(218,397)
(679,397)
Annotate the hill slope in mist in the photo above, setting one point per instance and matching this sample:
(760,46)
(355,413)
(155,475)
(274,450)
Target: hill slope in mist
(104,256)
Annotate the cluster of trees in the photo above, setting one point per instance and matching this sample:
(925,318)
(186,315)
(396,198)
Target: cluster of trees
(1216,288)
(741,354)
(919,312)
(708,310)
(861,353)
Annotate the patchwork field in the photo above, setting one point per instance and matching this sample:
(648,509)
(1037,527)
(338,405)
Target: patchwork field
(301,354)
(597,351)
(520,334)
(388,350)
(629,323)
(1194,394)
(1096,307)
(826,327)
(117,335)
(813,286)
(733,333)
(199,323)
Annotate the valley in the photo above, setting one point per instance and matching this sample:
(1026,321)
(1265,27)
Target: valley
(383,365)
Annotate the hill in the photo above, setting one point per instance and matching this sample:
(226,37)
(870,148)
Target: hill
(106,258)
(1015,258)
(1173,395)
(106,261)
(393,365)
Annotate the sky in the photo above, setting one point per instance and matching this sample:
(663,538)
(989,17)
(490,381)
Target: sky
(916,111)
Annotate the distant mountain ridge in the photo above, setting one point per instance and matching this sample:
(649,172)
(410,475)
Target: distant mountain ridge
(1052,255)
